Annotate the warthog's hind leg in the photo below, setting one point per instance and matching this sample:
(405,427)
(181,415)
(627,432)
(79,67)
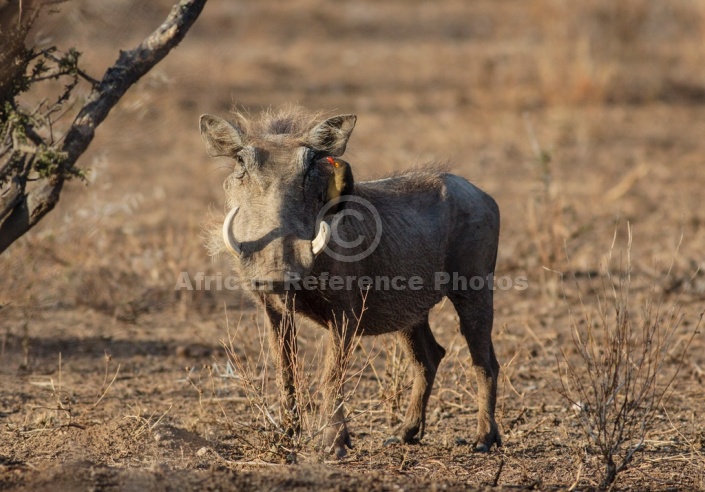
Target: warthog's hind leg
(474,308)
(425,355)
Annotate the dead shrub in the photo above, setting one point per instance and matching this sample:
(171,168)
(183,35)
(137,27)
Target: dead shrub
(626,366)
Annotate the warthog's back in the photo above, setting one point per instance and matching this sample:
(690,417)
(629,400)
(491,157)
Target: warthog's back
(432,223)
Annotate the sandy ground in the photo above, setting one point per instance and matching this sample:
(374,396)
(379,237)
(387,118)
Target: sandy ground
(579,120)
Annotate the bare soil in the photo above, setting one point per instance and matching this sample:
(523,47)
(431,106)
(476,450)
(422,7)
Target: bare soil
(577,119)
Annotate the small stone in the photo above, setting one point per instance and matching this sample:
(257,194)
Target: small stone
(202,451)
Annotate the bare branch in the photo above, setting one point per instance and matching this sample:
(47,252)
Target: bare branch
(128,69)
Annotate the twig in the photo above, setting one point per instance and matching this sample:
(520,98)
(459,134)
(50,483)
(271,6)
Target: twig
(252,463)
(108,388)
(495,481)
(575,483)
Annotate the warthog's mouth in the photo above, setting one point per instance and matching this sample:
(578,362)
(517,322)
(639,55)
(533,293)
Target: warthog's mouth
(318,243)
(276,282)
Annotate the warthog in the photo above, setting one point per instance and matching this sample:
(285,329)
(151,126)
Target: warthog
(422,226)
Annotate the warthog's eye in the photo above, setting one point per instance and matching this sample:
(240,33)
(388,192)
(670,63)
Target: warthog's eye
(239,166)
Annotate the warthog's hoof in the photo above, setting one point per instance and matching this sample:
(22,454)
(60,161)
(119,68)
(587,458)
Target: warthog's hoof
(337,440)
(338,449)
(405,434)
(483,444)
(404,438)
(340,452)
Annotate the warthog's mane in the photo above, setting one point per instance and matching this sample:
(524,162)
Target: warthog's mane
(292,122)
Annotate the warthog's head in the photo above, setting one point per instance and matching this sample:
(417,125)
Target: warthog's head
(282,177)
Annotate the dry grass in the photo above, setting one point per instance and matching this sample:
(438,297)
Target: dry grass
(248,375)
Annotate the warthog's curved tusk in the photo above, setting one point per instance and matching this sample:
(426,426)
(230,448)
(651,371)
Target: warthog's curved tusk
(320,242)
(230,242)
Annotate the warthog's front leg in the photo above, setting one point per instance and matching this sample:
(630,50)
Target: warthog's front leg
(335,436)
(282,340)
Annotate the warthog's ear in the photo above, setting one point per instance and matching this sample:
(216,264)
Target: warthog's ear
(221,137)
(332,135)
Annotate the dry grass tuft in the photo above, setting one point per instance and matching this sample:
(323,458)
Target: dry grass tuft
(264,431)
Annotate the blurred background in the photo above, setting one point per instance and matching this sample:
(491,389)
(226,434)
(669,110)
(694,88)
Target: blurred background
(574,116)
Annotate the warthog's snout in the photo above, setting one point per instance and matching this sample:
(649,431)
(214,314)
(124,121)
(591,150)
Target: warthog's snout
(318,243)
(276,282)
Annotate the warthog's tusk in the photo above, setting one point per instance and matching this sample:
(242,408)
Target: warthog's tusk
(321,240)
(230,242)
